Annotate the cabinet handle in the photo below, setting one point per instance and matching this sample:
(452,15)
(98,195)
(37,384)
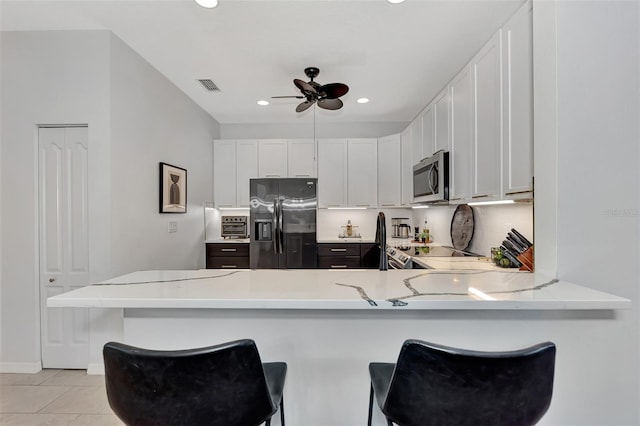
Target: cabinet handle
(228,249)
(363,205)
(338,266)
(479,196)
(272,176)
(225,205)
(228,266)
(388,204)
(518,192)
(338,249)
(303,175)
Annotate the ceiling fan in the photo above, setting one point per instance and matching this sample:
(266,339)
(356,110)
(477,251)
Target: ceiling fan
(325,95)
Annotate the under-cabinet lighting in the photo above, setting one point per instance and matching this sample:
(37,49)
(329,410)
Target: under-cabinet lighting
(490,203)
(482,295)
(233,208)
(207,3)
(419,207)
(346,208)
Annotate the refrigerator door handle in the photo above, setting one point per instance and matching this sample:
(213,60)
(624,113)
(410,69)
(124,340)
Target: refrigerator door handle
(280,227)
(274,233)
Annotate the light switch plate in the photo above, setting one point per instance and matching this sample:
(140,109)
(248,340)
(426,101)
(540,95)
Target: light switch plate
(173,226)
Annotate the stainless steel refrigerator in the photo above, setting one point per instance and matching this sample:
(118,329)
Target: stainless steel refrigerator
(283,223)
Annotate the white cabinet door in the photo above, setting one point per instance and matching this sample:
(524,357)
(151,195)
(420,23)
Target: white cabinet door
(428,131)
(246,168)
(301,158)
(517,37)
(362,173)
(416,138)
(389,168)
(332,173)
(486,167)
(224,173)
(442,123)
(407,162)
(272,158)
(461,136)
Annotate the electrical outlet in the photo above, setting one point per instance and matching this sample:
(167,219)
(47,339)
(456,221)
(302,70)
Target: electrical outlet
(173,226)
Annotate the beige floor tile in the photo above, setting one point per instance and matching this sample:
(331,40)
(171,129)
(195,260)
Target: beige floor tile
(80,400)
(27,379)
(38,419)
(74,378)
(28,399)
(97,420)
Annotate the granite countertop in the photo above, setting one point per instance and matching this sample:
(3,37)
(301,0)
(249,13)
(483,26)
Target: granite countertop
(338,290)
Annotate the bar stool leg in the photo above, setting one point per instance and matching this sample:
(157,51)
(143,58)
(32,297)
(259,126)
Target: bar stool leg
(370,405)
(282,411)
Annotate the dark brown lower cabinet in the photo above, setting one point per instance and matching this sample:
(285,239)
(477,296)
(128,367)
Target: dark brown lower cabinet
(347,255)
(227,255)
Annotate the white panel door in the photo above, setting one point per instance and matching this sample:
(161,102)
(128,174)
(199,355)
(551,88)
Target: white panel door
(461,136)
(362,173)
(301,158)
(64,243)
(428,131)
(272,158)
(332,173)
(246,168)
(416,138)
(224,173)
(517,85)
(486,167)
(442,123)
(389,179)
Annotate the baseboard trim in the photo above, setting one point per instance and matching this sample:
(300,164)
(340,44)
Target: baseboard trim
(20,367)
(96,369)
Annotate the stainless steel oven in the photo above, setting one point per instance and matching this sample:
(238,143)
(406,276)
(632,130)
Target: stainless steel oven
(233,227)
(431,179)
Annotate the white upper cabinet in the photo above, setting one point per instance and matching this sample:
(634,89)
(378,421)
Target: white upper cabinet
(362,172)
(407,161)
(389,170)
(486,166)
(301,158)
(416,138)
(272,158)
(428,131)
(224,173)
(461,89)
(517,42)
(441,119)
(246,168)
(332,173)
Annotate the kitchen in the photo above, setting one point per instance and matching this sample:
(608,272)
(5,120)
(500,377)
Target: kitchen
(564,240)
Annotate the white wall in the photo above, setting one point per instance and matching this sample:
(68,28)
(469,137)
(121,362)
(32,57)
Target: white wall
(152,122)
(136,119)
(303,128)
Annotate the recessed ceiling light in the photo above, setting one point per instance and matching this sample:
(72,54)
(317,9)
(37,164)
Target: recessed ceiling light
(211,3)
(263,102)
(395,1)
(362,100)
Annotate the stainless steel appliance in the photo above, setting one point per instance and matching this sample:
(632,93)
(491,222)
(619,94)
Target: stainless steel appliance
(283,223)
(233,227)
(400,227)
(431,179)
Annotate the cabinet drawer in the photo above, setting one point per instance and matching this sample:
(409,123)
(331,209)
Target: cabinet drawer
(222,262)
(338,262)
(228,249)
(339,249)
(369,255)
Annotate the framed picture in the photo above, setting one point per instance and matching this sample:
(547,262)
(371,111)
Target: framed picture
(173,189)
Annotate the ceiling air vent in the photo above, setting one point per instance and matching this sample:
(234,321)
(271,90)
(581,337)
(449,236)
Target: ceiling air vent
(209,85)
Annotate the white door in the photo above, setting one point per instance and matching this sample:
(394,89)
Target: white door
(64,244)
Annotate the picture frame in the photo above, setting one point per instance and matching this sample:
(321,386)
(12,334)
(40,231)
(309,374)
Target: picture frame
(173,189)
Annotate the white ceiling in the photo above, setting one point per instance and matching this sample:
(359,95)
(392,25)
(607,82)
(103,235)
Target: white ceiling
(399,56)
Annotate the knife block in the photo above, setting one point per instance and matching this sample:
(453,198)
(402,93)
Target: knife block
(526,258)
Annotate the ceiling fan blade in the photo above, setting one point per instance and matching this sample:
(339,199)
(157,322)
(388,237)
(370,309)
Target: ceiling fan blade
(304,86)
(282,97)
(331,104)
(304,106)
(334,90)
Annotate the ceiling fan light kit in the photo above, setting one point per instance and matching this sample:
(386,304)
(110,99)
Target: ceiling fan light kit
(325,96)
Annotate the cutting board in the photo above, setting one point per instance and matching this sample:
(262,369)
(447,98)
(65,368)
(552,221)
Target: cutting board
(462,227)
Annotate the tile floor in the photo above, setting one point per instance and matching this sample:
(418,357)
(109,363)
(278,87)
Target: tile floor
(54,397)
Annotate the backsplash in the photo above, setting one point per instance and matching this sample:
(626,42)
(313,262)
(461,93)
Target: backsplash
(491,224)
(330,222)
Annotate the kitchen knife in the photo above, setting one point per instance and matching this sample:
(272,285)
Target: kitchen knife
(512,247)
(510,256)
(522,237)
(516,242)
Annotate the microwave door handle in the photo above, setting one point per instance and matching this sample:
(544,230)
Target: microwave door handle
(431,180)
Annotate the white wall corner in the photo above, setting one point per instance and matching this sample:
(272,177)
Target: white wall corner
(20,367)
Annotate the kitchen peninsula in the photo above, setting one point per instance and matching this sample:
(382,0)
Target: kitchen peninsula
(328,325)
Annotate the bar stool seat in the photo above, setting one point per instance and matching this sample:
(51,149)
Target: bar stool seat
(439,385)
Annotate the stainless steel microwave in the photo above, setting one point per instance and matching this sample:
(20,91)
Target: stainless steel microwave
(431,179)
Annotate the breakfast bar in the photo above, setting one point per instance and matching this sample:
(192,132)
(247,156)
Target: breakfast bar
(328,325)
